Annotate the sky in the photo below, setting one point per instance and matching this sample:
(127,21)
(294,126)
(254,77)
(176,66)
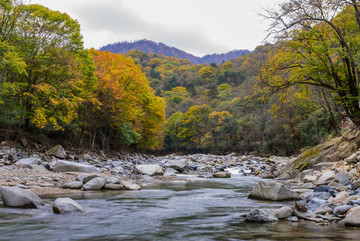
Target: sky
(198,27)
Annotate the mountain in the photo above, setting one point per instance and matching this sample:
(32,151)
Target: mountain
(149,46)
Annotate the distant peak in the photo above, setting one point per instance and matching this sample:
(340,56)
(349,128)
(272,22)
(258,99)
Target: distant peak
(149,46)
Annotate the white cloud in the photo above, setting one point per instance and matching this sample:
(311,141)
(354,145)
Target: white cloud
(196,26)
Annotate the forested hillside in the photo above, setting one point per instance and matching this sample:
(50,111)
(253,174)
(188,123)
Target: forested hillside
(149,46)
(275,100)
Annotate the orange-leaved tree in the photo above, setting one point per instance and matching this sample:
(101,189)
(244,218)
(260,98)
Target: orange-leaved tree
(128,110)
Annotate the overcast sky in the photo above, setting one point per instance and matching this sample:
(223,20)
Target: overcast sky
(196,26)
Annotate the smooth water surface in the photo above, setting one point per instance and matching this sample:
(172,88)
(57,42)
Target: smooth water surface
(210,209)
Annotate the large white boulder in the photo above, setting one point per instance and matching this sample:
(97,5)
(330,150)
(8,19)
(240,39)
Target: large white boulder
(66,205)
(271,190)
(151,170)
(20,198)
(67,166)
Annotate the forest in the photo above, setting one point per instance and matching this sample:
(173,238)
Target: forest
(277,99)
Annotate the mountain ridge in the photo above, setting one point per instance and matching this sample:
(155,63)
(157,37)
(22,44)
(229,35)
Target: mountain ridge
(149,46)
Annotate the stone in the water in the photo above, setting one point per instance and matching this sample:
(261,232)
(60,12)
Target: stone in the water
(72,185)
(66,205)
(57,151)
(284,212)
(260,216)
(341,210)
(323,209)
(309,215)
(151,170)
(130,185)
(325,188)
(271,190)
(66,166)
(112,186)
(94,184)
(353,218)
(222,175)
(28,161)
(20,198)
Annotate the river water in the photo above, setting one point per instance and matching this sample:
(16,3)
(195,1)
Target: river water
(210,209)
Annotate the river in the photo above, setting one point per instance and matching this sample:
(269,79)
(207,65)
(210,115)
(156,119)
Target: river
(210,209)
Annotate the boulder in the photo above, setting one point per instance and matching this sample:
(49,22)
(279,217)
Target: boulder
(66,205)
(353,218)
(57,151)
(260,216)
(271,190)
(323,209)
(341,210)
(66,166)
(340,198)
(73,185)
(19,198)
(309,178)
(284,212)
(315,203)
(130,186)
(318,195)
(112,186)
(151,170)
(86,177)
(326,178)
(325,188)
(94,184)
(222,175)
(28,161)
(308,215)
(293,219)
(170,172)
(179,165)
(343,178)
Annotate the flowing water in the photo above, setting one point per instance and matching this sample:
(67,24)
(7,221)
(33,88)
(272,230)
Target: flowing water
(196,210)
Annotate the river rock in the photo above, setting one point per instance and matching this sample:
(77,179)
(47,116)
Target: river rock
(57,151)
(94,184)
(326,178)
(28,161)
(284,212)
(318,195)
(323,209)
(293,219)
(315,203)
(343,178)
(271,190)
(179,165)
(309,179)
(86,177)
(73,185)
(170,172)
(308,215)
(130,186)
(20,198)
(325,188)
(340,198)
(112,186)
(67,166)
(150,170)
(353,218)
(260,216)
(222,175)
(341,210)
(66,205)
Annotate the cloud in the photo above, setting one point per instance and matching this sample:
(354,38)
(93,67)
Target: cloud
(118,23)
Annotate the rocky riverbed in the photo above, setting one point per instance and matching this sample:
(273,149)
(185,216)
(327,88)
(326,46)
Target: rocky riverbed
(329,195)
